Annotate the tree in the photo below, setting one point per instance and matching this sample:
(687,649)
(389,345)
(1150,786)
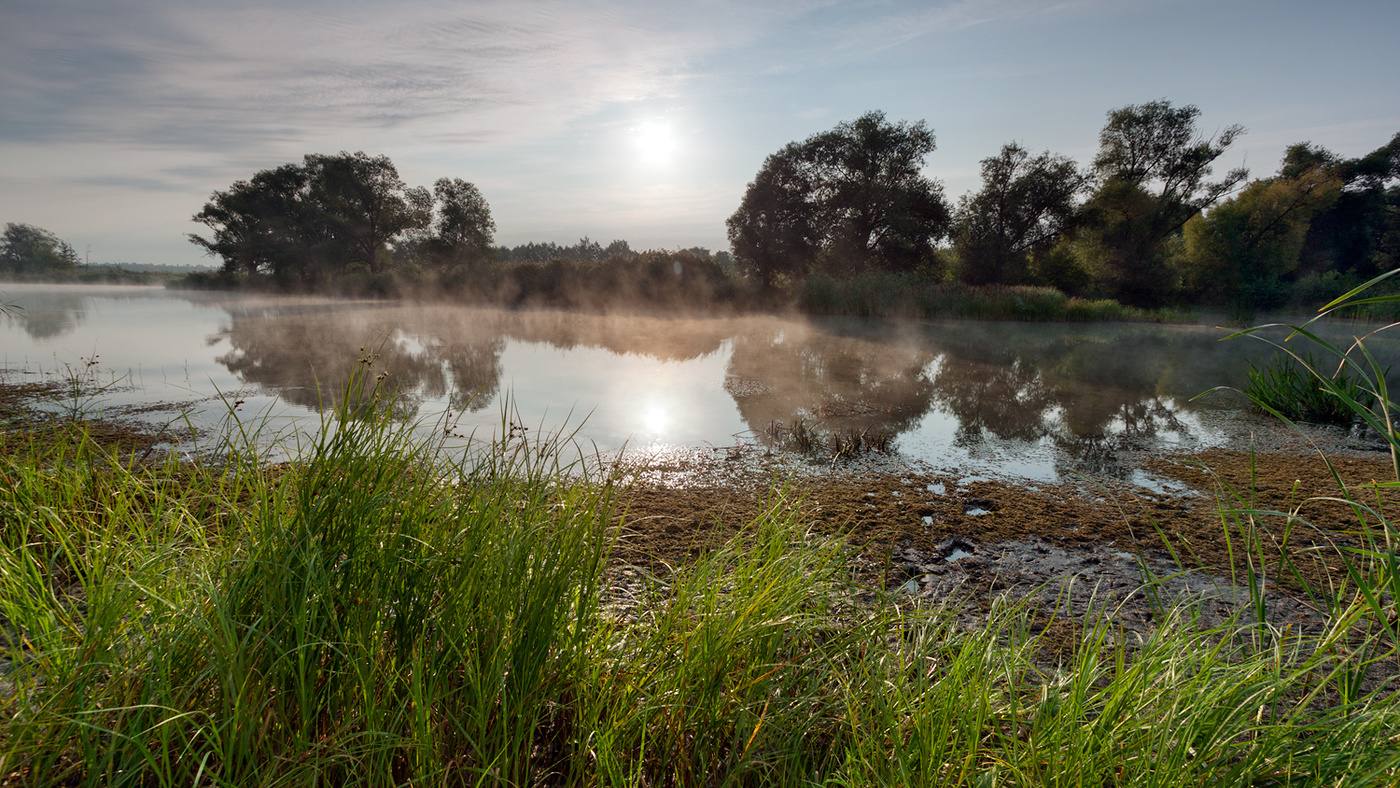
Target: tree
(366,205)
(852,198)
(262,225)
(774,232)
(1244,248)
(1359,231)
(331,213)
(26,249)
(1024,204)
(463,230)
(1152,168)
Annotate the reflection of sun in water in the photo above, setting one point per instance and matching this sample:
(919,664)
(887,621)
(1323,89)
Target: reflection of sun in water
(657,419)
(656,143)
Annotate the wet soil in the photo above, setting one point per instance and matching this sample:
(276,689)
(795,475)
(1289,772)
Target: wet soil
(1074,551)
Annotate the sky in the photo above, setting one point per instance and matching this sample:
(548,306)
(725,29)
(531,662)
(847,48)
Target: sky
(641,120)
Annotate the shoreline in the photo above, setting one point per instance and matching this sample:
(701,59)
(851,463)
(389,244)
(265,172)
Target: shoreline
(842,608)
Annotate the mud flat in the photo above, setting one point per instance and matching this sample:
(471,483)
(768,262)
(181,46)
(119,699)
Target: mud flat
(1182,531)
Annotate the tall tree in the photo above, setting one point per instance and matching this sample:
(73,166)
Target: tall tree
(1152,167)
(26,249)
(851,198)
(330,212)
(366,204)
(1024,204)
(462,230)
(775,230)
(1360,231)
(1244,248)
(262,225)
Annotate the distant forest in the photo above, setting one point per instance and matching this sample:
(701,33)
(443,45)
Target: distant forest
(845,221)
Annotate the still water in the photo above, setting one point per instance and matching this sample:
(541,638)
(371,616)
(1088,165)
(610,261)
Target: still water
(1035,401)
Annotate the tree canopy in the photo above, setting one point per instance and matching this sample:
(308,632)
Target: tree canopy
(849,199)
(26,249)
(332,214)
(1024,205)
(1152,169)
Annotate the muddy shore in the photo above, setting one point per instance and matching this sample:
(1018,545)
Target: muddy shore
(1101,546)
(962,540)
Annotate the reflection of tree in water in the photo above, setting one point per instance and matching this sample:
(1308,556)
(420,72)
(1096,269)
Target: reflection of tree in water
(311,356)
(789,371)
(1136,426)
(664,339)
(1009,400)
(1092,397)
(429,351)
(50,315)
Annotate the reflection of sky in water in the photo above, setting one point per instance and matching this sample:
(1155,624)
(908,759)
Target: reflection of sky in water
(1034,401)
(618,398)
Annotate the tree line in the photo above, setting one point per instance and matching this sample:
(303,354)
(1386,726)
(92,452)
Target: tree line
(1145,223)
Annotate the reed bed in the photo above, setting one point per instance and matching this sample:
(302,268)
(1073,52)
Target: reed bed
(380,613)
(886,294)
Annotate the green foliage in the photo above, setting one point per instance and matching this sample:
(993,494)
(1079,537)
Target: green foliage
(1291,386)
(882,294)
(29,250)
(1360,231)
(1254,239)
(1024,205)
(1152,168)
(847,200)
(335,215)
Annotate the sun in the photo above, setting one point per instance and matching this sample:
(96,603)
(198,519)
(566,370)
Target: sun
(656,143)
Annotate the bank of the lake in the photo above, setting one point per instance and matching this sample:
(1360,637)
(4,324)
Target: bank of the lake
(370,615)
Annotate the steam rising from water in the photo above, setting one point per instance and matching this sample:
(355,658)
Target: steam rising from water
(1033,400)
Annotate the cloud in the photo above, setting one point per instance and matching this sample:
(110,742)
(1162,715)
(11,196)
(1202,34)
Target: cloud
(216,77)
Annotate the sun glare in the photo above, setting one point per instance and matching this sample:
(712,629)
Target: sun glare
(656,143)
(657,419)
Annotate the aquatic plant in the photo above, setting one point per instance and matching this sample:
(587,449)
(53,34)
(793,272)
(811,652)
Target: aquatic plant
(1289,385)
(846,443)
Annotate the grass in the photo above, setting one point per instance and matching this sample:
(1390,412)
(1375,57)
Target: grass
(838,444)
(379,613)
(1289,386)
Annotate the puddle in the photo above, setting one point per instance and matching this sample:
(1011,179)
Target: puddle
(928,519)
(976,507)
(936,488)
(910,587)
(1159,484)
(957,553)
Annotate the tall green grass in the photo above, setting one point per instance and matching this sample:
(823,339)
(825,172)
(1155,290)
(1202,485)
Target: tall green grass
(1287,385)
(1352,382)
(376,613)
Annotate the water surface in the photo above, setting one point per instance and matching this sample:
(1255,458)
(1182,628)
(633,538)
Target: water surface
(1036,401)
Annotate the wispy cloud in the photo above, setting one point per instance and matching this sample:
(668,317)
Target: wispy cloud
(167,73)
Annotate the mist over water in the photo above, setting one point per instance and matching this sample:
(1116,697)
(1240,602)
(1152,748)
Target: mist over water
(1037,401)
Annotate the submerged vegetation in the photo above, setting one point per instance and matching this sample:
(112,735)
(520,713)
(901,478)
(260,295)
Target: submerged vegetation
(381,611)
(839,444)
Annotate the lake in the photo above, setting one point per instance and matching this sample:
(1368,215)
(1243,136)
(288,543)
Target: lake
(1029,400)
